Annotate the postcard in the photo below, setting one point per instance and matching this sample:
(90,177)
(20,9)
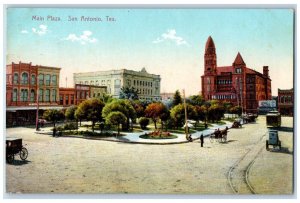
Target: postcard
(170,100)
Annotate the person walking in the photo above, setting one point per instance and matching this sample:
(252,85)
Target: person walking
(201,140)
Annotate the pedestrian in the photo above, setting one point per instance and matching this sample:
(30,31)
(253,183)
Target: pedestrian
(201,140)
(54,132)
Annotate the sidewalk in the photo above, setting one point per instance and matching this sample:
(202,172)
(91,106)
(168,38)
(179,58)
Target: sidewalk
(135,137)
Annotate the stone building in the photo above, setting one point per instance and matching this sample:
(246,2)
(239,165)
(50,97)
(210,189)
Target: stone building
(286,101)
(148,85)
(237,83)
(23,82)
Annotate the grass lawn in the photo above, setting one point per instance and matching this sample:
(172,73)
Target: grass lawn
(171,136)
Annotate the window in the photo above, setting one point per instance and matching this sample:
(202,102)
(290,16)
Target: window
(33,79)
(54,80)
(82,95)
(54,95)
(92,82)
(41,95)
(24,95)
(24,80)
(16,78)
(41,79)
(47,77)
(238,70)
(86,82)
(97,82)
(47,95)
(15,95)
(67,99)
(102,82)
(61,100)
(72,99)
(32,96)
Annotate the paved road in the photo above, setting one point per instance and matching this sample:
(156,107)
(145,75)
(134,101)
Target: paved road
(68,165)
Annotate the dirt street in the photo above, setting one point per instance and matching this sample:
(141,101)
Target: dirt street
(73,165)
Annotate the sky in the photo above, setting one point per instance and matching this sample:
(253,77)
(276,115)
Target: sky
(167,42)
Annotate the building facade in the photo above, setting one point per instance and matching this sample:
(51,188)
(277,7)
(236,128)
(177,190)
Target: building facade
(148,85)
(237,83)
(26,86)
(76,95)
(286,102)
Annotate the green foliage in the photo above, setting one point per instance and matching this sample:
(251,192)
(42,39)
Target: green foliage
(105,98)
(236,110)
(177,98)
(139,108)
(215,112)
(70,112)
(129,93)
(178,114)
(123,106)
(195,100)
(143,121)
(53,115)
(70,126)
(115,118)
(91,110)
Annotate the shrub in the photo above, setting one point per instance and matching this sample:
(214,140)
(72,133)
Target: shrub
(70,126)
(143,121)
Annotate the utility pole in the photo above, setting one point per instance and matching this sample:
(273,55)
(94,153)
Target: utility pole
(185,115)
(37,103)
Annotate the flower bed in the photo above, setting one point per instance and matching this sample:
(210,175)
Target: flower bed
(158,134)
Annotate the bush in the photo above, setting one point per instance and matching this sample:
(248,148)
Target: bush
(143,121)
(70,126)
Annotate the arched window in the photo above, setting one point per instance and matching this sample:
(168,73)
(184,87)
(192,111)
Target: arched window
(16,78)
(41,79)
(33,79)
(47,95)
(24,95)
(92,82)
(24,80)
(32,96)
(15,95)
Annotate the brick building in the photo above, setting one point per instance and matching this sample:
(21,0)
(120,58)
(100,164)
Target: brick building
(23,82)
(76,95)
(286,102)
(237,83)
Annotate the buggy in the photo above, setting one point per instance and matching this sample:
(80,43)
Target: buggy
(14,146)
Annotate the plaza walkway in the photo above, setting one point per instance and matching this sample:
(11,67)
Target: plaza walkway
(135,137)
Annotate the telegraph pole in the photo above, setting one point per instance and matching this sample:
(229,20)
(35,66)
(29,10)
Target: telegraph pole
(185,115)
(37,103)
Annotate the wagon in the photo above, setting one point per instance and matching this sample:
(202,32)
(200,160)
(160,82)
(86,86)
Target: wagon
(14,146)
(273,139)
(219,135)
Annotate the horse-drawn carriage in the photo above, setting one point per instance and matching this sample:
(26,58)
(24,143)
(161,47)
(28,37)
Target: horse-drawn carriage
(236,124)
(14,146)
(219,135)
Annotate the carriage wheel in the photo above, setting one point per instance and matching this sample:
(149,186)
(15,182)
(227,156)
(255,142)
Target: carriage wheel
(10,158)
(23,153)
(211,139)
(225,138)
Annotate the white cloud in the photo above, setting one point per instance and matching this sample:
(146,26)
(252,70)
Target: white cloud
(43,29)
(171,35)
(24,32)
(86,37)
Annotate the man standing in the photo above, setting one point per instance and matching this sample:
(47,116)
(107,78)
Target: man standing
(201,140)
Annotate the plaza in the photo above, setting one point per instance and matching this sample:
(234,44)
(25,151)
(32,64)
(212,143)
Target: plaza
(66,165)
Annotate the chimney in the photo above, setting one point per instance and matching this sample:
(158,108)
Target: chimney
(266,71)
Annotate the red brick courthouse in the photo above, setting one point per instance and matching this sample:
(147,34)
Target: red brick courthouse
(236,83)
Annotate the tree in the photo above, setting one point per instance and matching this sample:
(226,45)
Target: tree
(92,110)
(139,108)
(79,115)
(177,98)
(215,112)
(115,118)
(129,93)
(156,111)
(70,112)
(53,115)
(143,121)
(195,100)
(123,106)
(106,98)
(178,114)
